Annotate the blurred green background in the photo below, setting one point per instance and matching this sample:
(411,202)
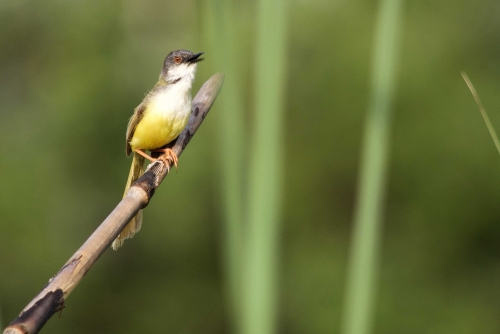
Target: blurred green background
(71,74)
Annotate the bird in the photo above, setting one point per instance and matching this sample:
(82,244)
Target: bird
(157,121)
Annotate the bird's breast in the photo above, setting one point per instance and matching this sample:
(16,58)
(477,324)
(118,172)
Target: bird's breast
(165,116)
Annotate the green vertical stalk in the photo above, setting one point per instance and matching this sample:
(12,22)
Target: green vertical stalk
(225,52)
(371,189)
(264,198)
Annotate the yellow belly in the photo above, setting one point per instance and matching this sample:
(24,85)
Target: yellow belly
(158,128)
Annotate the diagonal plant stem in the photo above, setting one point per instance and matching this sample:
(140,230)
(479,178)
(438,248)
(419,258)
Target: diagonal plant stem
(493,134)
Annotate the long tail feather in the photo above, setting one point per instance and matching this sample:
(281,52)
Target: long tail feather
(136,170)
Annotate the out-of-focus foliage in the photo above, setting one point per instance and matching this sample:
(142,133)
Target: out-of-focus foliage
(71,74)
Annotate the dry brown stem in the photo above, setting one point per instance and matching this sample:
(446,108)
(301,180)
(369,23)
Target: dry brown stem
(52,297)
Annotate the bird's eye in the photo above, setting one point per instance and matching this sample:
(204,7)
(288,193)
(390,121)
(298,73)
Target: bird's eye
(177,59)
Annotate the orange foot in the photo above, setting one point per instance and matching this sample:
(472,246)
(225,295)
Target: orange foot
(168,156)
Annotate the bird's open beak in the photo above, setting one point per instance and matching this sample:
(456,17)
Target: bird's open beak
(195,58)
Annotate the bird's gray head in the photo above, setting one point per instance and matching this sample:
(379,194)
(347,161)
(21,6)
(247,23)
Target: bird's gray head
(180,64)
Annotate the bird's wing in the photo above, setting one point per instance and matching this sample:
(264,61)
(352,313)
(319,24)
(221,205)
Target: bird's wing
(132,124)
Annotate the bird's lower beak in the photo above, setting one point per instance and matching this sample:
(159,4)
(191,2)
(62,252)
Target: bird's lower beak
(195,58)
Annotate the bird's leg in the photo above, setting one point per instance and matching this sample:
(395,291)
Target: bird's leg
(145,155)
(168,156)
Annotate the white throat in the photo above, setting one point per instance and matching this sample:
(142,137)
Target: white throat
(174,99)
(182,72)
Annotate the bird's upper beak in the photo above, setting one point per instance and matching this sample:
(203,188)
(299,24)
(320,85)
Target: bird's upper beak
(195,58)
